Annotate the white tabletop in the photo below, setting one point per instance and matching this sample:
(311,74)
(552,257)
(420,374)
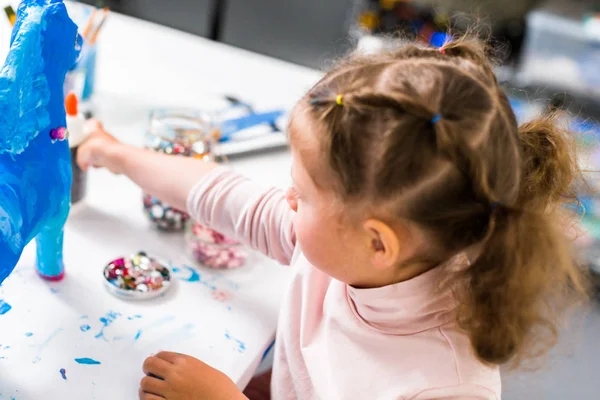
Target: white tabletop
(227,319)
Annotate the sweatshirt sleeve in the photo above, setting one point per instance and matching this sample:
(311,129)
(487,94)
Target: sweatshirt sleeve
(239,208)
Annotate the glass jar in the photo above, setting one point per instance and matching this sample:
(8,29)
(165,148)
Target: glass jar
(177,132)
(212,249)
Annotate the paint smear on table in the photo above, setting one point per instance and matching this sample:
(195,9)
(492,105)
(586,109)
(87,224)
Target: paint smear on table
(193,276)
(159,322)
(4,307)
(240,346)
(134,317)
(85,328)
(63,373)
(178,336)
(87,361)
(28,334)
(107,320)
(44,344)
(222,295)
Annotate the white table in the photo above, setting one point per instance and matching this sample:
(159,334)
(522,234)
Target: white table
(227,319)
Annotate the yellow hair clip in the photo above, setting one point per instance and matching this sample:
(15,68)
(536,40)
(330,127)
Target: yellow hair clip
(339,100)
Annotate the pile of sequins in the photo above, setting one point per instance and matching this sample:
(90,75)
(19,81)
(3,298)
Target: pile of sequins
(163,216)
(139,273)
(212,249)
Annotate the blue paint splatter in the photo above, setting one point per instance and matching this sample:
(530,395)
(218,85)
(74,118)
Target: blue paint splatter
(4,307)
(229,308)
(134,317)
(53,290)
(137,335)
(87,361)
(241,346)
(83,317)
(63,373)
(85,328)
(107,320)
(194,276)
(268,350)
(28,334)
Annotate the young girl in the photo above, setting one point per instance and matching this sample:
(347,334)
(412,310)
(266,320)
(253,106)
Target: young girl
(422,227)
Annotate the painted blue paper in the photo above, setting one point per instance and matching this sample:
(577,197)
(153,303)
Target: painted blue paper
(87,361)
(35,172)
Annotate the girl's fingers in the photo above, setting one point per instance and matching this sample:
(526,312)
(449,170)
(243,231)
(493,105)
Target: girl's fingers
(154,386)
(168,356)
(157,367)
(149,396)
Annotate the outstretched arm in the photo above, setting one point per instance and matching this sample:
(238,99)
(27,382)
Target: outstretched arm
(165,177)
(215,196)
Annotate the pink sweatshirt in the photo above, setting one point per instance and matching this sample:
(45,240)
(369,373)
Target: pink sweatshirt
(338,342)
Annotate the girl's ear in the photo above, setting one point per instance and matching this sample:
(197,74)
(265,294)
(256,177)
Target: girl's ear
(383,244)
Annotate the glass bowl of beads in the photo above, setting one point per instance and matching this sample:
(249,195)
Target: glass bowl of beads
(137,277)
(177,132)
(212,249)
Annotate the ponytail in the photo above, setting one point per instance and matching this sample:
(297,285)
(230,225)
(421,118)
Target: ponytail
(525,276)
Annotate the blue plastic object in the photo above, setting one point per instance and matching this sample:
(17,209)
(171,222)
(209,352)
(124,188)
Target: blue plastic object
(35,170)
(232,126)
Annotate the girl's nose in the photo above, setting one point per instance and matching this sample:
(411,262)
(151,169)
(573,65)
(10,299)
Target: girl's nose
(290,196)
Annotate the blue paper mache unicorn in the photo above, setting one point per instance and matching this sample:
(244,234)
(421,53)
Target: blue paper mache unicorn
(35,165)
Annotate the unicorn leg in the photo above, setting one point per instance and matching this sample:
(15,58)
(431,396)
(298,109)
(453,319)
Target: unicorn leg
(49,244)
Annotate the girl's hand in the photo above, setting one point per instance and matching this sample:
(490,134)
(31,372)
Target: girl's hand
(173,376)
(99,150)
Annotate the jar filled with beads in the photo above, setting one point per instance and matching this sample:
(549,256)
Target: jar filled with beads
(183,132)
(212,249)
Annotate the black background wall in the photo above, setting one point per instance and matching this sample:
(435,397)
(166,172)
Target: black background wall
(307,32)
(193,16)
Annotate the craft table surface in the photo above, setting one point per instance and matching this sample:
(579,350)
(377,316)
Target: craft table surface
(227,319)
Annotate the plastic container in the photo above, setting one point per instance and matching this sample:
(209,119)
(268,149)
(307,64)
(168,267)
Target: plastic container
(177,132)
(212,249)
(562,48)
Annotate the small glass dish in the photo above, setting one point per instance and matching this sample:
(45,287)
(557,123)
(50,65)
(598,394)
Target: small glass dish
(212,249)
(138,277)
(177,132)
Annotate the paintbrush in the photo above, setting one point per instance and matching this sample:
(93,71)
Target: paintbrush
(90,24)
(94,37)
(10,14)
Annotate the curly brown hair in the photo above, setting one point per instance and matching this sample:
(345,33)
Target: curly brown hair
(432,134)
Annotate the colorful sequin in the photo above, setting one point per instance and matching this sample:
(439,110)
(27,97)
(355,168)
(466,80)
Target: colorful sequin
(161,214)
(212,249)
(138,273)
(59,134)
